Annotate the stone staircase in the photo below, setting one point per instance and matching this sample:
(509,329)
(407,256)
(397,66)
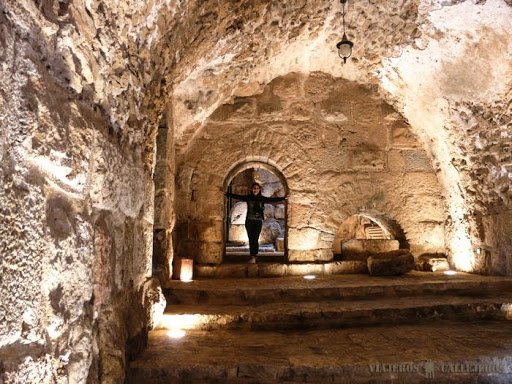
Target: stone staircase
(289,329)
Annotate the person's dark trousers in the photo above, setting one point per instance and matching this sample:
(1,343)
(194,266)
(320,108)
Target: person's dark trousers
(253,228)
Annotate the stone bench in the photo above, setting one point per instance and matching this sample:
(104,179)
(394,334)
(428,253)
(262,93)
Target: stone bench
(368,246)
(432,262)
(391,263)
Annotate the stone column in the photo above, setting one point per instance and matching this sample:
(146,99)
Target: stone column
(164,177)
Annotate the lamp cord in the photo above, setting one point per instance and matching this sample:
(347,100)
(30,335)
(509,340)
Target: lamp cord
(343,14)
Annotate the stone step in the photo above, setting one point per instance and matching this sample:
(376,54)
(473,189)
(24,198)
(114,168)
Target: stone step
(347,287)
(270,257)
(336,314)
(268,267)
(437,352)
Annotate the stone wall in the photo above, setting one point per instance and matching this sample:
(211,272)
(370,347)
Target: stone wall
(341,149)
(82,88)
(76,216)
(466,119)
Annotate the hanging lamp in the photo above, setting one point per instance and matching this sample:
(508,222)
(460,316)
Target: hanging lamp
(345,45)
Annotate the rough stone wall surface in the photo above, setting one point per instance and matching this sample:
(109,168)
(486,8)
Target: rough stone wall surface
(128,57)
(467,120)
(76,213)
(103,52)
(246,44)
(341,149)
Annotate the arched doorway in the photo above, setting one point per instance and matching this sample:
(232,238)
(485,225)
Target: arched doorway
(273,237)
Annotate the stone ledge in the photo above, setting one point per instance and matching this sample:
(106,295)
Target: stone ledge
(368,246)
(391,263)
(278,269)
(337,313)
(244,291)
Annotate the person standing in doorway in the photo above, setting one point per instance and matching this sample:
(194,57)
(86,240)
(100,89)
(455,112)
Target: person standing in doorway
(254,219)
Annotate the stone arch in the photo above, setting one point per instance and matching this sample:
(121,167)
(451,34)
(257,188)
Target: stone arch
(237,169)
(338,159)
(391,229)
(389,224)
(255,162)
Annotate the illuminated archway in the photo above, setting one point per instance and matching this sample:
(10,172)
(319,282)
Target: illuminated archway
(370,226)
(273,237)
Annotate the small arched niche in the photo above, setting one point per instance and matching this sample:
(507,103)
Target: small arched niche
(366,233)
(273,237)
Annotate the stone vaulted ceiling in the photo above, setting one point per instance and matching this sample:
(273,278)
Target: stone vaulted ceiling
(445,65)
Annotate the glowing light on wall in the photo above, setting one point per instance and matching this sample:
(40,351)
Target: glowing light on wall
(304,239)
(462,250)
(157,312)
(54,329)
(54,169)
(186,270)
(507,309)
(309,277)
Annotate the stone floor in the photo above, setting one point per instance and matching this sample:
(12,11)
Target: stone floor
(333,329)
(383,354)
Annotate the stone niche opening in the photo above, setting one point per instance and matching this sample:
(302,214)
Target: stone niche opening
(273,237)
(364,234)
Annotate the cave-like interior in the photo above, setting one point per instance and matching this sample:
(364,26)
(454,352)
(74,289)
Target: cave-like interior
(123,124)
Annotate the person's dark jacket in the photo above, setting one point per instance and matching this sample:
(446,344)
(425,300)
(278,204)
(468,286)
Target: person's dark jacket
(255,204)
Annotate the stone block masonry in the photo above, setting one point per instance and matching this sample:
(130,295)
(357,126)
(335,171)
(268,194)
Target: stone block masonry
(334,167)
